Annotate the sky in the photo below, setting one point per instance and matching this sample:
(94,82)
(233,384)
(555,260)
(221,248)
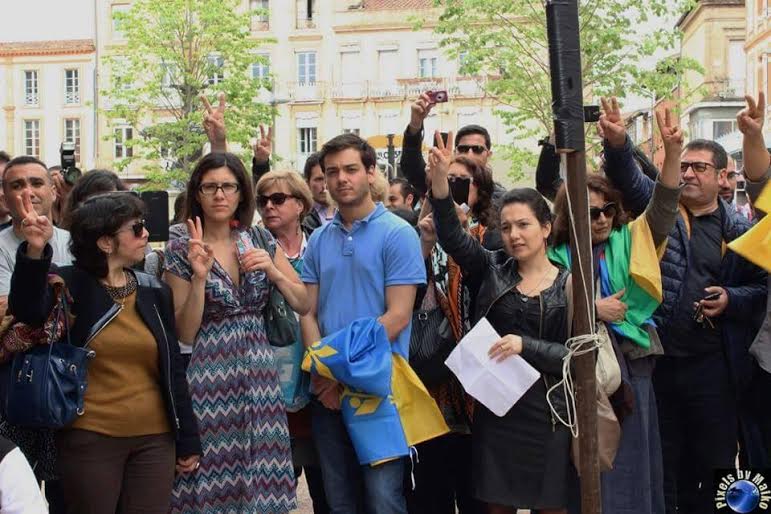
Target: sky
(40,20)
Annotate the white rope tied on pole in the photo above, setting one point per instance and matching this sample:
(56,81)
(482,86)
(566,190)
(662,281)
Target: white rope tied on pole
(577,345)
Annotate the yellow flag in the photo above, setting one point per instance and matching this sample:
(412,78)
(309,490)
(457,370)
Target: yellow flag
(755,244)
(419,413)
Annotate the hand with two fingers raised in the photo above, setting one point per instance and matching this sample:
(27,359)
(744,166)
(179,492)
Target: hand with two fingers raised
(263,146)
(214,123)
(439,165)
(199,254)
(611,123)
(36,230)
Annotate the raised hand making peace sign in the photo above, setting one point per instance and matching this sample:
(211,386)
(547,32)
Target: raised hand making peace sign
(672,136)
(199,254)
(214,123)
(750,119)
(263,146)
(439,165)
(612,123)
(37,230)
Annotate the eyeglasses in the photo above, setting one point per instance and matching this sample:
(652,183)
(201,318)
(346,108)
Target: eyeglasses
(211,188)
(609,210)
(698,166)
(138,228)
(477,149)
(276,199)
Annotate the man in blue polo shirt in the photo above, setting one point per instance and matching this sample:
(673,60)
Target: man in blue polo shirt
(365,263)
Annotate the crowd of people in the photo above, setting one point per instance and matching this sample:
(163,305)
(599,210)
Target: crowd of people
(192,406)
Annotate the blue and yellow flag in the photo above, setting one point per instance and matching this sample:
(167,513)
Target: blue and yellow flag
(385,406)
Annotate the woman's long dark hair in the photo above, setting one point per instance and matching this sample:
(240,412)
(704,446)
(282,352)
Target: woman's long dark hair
(598,184)
(483,210)
(100,215)
(245,210)
(91,183)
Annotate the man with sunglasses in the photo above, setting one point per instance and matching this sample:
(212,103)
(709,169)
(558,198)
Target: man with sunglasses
(472,141)
(706,364)
(27,176)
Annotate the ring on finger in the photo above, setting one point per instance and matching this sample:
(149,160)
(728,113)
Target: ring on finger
(24,222)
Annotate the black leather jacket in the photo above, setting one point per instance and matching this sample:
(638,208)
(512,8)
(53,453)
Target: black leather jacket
(489,276)
(31,300)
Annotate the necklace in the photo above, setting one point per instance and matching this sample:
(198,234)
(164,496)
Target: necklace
(120,293)
(525,296)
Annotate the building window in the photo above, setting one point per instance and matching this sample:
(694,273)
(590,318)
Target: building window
(122,135)
(261,70)
(118,24)
(307,140)
(31,96)
(262,5)
(217,73)
(306,9)
(722,128)
(306,67)
(428,63)
(32,138)
(72,135)
(71,87)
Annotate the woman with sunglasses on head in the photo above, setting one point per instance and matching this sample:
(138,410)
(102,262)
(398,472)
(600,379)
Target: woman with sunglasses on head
(627,294)
(221,277)
(283,200)
(137,425)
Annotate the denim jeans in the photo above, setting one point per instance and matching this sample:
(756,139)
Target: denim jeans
(350,487)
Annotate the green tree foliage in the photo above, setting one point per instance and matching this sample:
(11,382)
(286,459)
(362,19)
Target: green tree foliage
(505,40)
(176,50)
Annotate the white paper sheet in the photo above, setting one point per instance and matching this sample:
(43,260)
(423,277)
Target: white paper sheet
(497,385)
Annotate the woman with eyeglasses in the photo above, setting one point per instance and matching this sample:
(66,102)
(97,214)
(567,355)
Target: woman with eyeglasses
(221,277)
(137,425)
(628,288)
(283,200)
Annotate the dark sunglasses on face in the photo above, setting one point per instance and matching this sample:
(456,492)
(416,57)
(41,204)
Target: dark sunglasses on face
(275,199)
(609,210)
(211,188)
(138,228)
(464,149)
(698,166)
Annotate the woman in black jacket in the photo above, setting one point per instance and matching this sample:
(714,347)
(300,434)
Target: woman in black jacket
(520,460)
(138,423)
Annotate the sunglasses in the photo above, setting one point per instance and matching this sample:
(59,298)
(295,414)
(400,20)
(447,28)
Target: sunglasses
(698,166)
(477,149)
(138,228)
(275,199)
(211,188)
(609,210)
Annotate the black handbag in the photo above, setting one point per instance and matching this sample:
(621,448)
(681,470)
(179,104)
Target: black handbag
(431,342)
(281,324)
(47,384)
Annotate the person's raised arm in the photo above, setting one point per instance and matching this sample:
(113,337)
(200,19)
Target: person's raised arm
(750,122)
(412,164)
(620,166)
(262,149)
(189,295)
(214,124)
(462,247)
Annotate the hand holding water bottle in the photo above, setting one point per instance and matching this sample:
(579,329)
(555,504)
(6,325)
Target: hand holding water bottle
(254,259)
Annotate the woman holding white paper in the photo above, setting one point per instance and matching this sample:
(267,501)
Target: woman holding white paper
(519,460)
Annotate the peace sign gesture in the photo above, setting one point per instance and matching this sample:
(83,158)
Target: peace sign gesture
(439,165)
(37,230)
(263,146)
(671,133)
(750,119)
(612,124)
(199,254)
(214,123)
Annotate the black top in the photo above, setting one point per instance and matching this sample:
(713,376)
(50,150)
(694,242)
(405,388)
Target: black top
(687,337)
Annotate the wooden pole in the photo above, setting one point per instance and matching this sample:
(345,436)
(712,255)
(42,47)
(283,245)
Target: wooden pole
(567,104)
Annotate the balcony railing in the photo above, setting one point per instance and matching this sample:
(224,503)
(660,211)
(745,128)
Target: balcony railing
(350,91)
(71,97)
(306,91)
(31,99)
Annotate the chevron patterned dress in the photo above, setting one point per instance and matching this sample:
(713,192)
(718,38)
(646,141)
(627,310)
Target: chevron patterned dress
(246,466)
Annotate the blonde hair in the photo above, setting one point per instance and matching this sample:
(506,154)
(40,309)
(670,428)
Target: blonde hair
(293,181)
(379,188)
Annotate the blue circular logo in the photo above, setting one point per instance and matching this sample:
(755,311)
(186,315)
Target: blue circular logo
(743,496)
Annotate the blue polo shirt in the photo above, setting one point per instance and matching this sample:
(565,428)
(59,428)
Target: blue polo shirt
(353,269)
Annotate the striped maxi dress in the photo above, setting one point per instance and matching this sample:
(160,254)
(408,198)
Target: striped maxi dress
(246,466)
